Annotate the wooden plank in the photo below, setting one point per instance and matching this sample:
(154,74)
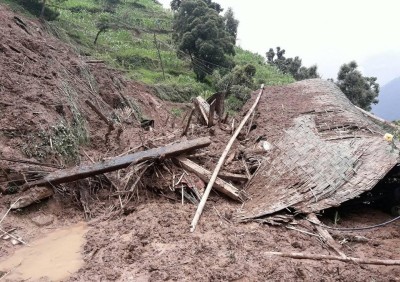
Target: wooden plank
(205,175)
(221,161)
(83,171)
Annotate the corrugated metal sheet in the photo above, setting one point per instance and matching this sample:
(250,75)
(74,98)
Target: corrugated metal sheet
(329,154)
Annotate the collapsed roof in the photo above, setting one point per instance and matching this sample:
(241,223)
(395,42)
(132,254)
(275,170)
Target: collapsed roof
(325,150)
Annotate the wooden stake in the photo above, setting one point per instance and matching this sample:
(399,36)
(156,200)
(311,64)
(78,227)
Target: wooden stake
(327,257)
(99,113)
(221,162)
(211,114)
(159,55)
(188,123)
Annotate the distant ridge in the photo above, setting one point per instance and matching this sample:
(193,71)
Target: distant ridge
(389,101)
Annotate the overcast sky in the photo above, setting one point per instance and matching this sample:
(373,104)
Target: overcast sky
(324,32)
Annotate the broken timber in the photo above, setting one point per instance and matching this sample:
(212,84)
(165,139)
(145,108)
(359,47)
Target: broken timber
(80,172)
(325,235)
(221,161)
(328,257)
(232,176)
(205,175)
(203,108)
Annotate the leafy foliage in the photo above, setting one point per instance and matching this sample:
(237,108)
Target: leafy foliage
(201,32)
(291,66)
(231,23)
(362,91)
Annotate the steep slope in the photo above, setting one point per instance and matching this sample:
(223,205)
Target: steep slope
(389,101)
(44,85)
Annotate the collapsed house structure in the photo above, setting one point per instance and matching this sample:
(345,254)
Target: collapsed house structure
(325,150)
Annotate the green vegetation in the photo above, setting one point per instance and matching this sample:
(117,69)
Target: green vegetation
(291,66)
(200,31)
(125,39)
(362,91)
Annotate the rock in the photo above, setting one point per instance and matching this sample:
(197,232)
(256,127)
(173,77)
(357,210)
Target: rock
(15,241)
(43,220)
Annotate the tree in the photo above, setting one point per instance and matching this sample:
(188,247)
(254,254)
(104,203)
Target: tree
(362,91)
(176,4)
(231,23)
(103,25)
(200,32)
(291,66)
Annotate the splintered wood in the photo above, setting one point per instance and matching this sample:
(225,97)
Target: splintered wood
(205,175)
(221,161)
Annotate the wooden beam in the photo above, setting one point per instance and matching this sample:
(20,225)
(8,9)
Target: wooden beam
(221,162)
(345,259)
(205,175)
(83,171)
(233,176)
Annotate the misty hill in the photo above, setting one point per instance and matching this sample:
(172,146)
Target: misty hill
(389,101)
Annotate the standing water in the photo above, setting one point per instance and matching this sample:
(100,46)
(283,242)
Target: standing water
(55,256)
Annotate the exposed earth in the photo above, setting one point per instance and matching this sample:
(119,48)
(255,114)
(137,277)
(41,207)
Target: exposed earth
(44,84)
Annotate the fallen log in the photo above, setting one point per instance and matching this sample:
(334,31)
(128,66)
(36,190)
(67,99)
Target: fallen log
(205,175)
(327,257)
(32,196)
(221,161)
(83,171)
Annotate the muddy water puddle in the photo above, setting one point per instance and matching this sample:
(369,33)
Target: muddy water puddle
(52,258)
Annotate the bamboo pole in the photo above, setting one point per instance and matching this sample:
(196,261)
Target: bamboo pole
(328,257)
(221,162)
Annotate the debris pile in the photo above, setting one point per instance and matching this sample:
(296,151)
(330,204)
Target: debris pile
(77,132)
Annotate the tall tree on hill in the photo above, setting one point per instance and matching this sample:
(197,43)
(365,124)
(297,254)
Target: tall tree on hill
(200,32)
(176,4)
(362,91)
(291,66)
(231,23)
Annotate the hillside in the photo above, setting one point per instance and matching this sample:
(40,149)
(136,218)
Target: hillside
(129,44)
(389,101)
